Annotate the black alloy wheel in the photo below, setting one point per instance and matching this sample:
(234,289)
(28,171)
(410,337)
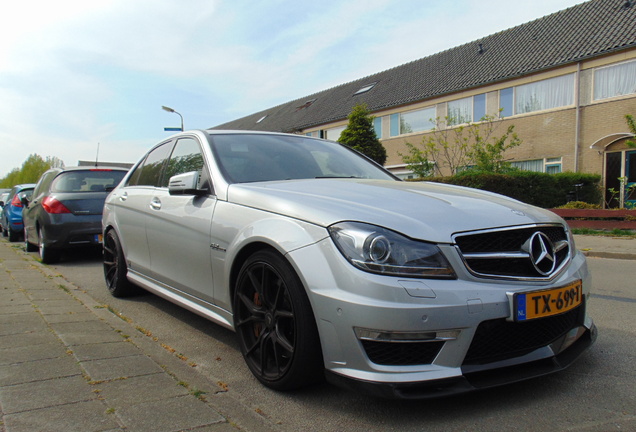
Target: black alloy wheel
(275,324)
(115,267)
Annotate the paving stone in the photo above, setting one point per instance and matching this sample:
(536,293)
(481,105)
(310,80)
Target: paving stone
(91,416)
(42,394)
(123,367)
(32,352)
(105,350)
(27,339)
(59,307)
(39,370)
(86,332)
(136,390)
(181,413)
(70,317)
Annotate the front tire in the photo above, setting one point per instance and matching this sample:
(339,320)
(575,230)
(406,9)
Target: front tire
(115,267)
(275,324)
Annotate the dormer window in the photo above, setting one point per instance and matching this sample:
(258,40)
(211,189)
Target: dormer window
(365,89)
(306,104)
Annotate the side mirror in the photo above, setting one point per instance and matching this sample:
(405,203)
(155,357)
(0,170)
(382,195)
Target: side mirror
(185,184)
(24,200)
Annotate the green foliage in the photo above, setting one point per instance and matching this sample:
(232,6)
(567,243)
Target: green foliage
(631,123)
(474,146)
(30,172)
(580,205)
(360,135)
(540,189)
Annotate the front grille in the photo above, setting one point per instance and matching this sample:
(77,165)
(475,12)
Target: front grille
(499,339)
(505,253)
(402,353)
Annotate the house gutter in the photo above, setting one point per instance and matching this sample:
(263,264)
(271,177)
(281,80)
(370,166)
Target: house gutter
(577,103)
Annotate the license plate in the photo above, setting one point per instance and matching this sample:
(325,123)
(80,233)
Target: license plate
(545,303)
(99,238)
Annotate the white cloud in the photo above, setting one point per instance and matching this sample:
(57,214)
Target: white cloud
(77,73)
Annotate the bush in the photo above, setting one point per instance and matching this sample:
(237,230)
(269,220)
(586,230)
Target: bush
(580,205)
(539,189)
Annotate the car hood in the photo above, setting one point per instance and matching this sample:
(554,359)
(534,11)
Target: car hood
(421,210)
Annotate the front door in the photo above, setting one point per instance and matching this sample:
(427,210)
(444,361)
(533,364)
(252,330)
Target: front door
(630,185)
(620,166)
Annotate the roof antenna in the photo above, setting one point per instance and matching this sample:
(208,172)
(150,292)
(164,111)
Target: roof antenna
(97,156)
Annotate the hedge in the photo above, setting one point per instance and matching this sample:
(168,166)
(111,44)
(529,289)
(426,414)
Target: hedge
(539,189)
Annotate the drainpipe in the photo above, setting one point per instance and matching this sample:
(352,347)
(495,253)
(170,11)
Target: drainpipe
(577,104)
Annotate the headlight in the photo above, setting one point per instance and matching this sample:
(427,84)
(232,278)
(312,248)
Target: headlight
(379,250)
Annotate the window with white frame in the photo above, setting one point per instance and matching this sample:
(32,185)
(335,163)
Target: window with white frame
(334,133)
(536,96)
(460,111)
(466,110)
(413,121)
(548,165)
(615,80)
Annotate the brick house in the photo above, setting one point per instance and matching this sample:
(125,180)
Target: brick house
(565,81)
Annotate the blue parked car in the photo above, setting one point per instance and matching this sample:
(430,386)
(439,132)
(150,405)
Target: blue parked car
(12,225)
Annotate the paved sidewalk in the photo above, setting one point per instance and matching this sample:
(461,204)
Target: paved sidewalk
(606,247)
(69,364)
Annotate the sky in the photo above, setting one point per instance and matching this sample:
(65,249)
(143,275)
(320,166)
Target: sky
(81,80)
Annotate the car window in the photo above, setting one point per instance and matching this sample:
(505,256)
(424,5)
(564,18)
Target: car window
(186,157)
(45,181)
(93,180)
(148,173)
(252,158)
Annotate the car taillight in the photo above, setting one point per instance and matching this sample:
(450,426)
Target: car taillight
(15,202)
(53,206)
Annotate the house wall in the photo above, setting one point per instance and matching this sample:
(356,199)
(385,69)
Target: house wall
(566,132)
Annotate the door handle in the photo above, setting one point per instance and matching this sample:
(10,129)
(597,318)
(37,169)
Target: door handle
(124,196)
(155,204)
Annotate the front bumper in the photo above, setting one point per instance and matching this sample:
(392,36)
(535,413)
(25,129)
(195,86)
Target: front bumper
(506,372)
(447,315)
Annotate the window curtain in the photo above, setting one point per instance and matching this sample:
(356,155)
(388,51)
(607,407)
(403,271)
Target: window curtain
(546,94)
(460,111)
(615,80)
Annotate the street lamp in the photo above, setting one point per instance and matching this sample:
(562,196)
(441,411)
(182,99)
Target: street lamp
(170,110)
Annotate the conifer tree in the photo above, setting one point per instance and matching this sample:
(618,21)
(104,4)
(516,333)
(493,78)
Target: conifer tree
(360,135)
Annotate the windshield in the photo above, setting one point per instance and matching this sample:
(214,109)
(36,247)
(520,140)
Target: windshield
(245,158)
(94,180)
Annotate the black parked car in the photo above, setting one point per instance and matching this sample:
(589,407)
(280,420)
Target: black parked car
(66,209)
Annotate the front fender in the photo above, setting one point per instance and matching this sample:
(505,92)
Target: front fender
(236,231)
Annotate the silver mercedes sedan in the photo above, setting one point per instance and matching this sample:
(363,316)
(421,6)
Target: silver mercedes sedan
(326,265)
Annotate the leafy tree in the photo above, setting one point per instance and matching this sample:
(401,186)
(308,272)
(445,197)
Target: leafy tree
(360,135)
(31,170)
(631,123)
(472,146)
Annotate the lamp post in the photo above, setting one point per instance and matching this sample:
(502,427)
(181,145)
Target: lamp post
(170,110)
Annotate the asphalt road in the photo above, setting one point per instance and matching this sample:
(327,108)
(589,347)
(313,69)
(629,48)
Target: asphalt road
(597,393)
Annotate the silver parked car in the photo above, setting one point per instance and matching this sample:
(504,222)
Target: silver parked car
(325,264)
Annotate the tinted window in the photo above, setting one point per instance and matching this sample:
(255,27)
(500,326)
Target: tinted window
(94,180)
(149,172)
(252,158)
(186,157)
